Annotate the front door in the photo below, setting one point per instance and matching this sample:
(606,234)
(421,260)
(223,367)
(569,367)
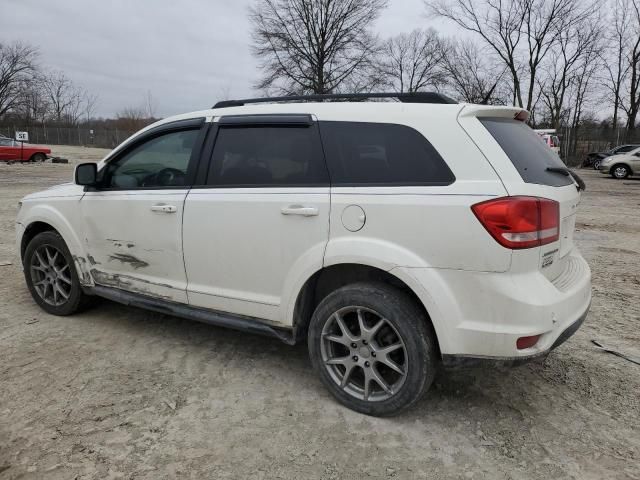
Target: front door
(260,222)
(133,221)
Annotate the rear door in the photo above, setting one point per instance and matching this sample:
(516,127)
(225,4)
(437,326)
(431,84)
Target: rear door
(259,221)
(523,163)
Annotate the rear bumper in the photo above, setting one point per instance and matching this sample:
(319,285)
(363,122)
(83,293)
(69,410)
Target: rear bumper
(458,361)
(481,315)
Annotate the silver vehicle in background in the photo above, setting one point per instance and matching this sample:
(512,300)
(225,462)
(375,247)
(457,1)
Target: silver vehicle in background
(622,165)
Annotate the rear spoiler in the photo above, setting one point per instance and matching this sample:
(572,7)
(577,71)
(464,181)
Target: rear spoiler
(471,110)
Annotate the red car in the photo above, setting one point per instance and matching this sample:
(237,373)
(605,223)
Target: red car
(12,151)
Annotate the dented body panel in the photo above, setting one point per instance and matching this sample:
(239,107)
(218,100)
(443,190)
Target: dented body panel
(130,246)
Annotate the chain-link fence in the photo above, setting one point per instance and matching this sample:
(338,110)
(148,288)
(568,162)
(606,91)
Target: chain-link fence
(576,144)
(103,138)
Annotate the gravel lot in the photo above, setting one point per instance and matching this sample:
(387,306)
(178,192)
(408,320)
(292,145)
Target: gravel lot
(122,393)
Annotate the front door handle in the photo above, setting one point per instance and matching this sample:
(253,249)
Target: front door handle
(300,210)
(161,207)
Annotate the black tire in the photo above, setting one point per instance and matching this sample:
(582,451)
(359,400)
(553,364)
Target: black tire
(620,171)
(76,300)
(38,157)
(596,164)
(405,319)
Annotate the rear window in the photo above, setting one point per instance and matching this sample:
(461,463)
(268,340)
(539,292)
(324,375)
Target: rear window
(529,155)
(361,153)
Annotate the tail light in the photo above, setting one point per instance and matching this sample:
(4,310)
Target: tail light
(520,222)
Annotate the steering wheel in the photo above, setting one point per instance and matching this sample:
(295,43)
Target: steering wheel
(165,178)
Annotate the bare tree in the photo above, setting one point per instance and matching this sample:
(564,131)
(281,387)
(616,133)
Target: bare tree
(312,45)
(614,56)
(584,77)
(519,32)
(66,99)
(149,105)
(90,101)
(132,118)
(413,61)
(545,22)
(17,68)
(224,92)
(33,104)
(471,77)
(565,62)
(630,100)
(498,23)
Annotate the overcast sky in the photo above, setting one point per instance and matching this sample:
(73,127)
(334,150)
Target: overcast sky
(187,53)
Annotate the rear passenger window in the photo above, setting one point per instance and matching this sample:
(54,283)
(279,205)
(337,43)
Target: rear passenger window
(256,156)
(360,153)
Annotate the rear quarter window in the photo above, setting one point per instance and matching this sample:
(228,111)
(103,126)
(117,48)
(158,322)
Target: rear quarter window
(362,153)
(529,155)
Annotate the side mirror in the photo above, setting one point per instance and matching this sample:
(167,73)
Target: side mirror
(86,174)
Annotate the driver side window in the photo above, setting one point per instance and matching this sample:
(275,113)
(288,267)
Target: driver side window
(159,162)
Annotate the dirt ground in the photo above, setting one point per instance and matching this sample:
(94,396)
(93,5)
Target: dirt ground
(122,393)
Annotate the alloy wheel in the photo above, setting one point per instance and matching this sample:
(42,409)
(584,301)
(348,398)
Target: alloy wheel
(51,275)
(364,354)
(620,172)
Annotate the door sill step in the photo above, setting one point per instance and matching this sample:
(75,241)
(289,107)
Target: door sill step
(219,319)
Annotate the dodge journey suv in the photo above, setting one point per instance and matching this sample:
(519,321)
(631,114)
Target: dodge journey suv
(395,237)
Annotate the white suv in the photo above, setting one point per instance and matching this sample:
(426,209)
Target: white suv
(394,237)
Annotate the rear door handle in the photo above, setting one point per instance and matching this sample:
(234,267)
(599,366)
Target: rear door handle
(300,210)
(161,207)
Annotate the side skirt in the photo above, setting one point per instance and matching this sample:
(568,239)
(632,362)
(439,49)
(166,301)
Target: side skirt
(219,319)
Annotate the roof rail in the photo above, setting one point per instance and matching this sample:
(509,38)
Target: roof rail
(411,97)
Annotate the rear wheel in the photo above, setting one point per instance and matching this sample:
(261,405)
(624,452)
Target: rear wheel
(619,171)
(372,347)
(596,164)
(51,275)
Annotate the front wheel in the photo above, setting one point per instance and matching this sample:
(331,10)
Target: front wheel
(51,275)
(596,164)
(38,157)
(373,348)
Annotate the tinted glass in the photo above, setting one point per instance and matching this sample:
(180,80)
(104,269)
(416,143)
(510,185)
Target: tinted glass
(381,154)
(529,155)
(626,148)
(159,162)
(255,156)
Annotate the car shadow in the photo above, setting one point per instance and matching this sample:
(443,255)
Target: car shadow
(492,390)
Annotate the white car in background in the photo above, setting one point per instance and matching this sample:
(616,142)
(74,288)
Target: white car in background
(551,139)
(392,237)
